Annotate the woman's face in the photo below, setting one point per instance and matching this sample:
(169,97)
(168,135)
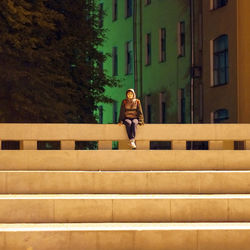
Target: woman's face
(130,95)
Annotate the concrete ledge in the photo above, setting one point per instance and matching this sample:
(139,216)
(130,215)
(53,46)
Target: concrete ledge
(202,236)
(123,208)
(125,160)
(130,182)
(109,132)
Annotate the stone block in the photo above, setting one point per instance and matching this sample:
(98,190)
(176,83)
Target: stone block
(67,145)
(220,182)
(239,210)
(28,145)
(173,182)
(166,240)
(37,240)
(199,210)
(142,145)
(121,240)
(179,145)
(105,145)
(224,239)
(215,145)
(141,210)
(83,210)
(26,211)
(123,145)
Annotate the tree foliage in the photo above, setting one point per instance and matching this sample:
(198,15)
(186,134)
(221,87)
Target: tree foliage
(50,66)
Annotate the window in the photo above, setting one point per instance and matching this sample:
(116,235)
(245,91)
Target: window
(128,8)
(149,111)
(163,112)
(114,111)
(218,3)
(115,9)
(162,108)
(181,106)
(114,61)
(220,115)
(101,15)
(162,45)
(100,63)
(181,39)
(147,2)
(100,108)
(129,57)
(220,60)
(148,49)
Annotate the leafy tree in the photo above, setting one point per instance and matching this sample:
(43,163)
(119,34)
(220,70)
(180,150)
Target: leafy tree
(50,67)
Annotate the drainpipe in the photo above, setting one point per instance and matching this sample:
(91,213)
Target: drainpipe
(192,60)
(141,75)
(135,45)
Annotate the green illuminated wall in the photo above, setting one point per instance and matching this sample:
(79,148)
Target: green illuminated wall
(166,77)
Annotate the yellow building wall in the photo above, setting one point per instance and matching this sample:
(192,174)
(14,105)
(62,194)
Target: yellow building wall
(243,59)
(215,23)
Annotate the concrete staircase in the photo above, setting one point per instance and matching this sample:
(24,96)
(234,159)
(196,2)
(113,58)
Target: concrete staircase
(124,199)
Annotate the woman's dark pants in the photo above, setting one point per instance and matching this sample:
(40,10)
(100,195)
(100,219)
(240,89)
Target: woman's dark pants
(131,124)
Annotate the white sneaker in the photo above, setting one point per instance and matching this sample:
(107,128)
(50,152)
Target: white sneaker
(132,143)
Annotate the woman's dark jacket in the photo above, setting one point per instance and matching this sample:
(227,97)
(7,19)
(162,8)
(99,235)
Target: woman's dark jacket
(138,109)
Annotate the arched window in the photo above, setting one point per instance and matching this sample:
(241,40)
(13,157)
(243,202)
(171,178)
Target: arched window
(220,60)
(220,115)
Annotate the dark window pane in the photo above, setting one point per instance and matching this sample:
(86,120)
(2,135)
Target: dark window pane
(160,145)
(86,145)
(10,145)
(221,115)
(220,60)
(163,110)
(48,145)
(129,7)
(197,145)
(149,113)
(219,3)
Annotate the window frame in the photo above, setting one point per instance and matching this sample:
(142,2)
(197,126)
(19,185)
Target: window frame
(128,8)
(148,49)
(115,61)
(114,10)
(129,57)
(101,16)
(162,44)
(115,111)
(216,4)
(181,33)
(181,106)
(218,68)
(219,120)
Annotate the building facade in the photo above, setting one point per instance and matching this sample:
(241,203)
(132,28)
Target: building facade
(222,53)
(149,44)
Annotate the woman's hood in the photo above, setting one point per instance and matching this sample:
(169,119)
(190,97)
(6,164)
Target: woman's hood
(132,90)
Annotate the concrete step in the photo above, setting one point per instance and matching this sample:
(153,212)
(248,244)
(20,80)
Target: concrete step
(124,182)
(109,236)
(124,208)
(112,160)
